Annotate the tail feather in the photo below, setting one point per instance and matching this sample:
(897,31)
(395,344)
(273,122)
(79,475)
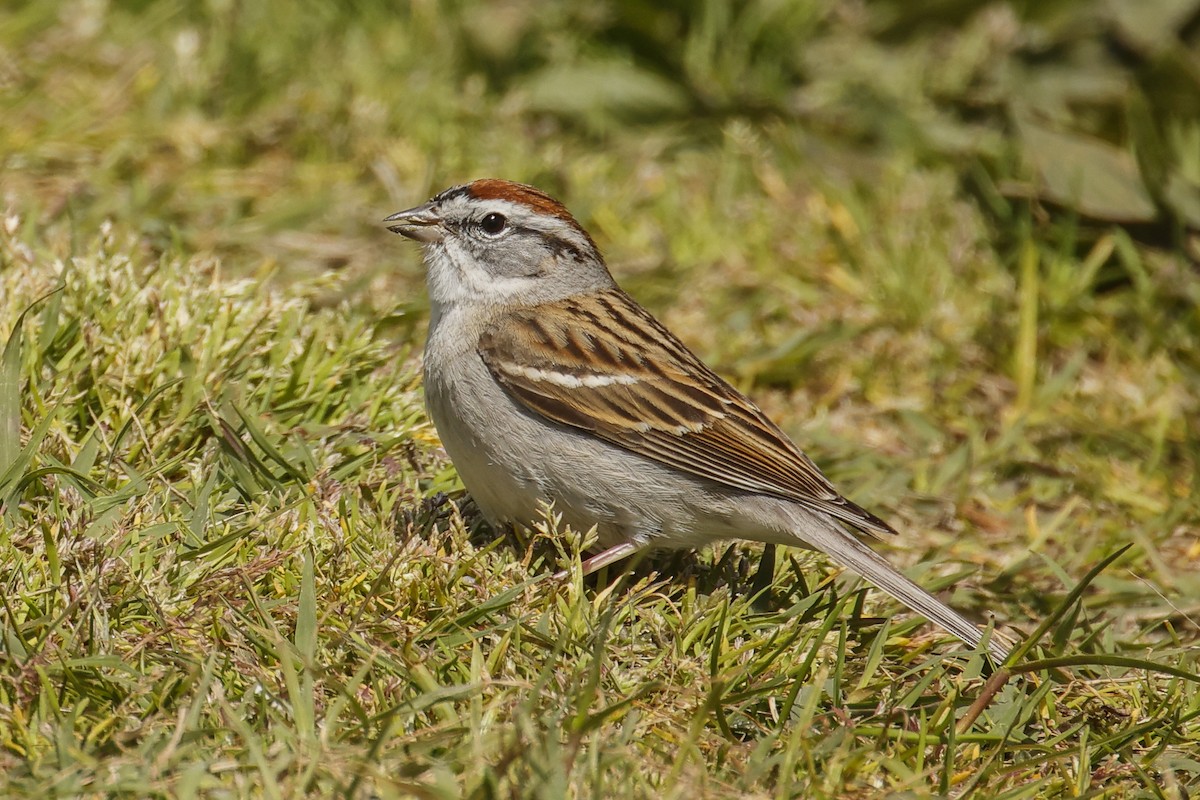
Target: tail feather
(847,550)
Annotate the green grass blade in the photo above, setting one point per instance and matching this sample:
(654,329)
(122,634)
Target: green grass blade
(10,388)
(260,438)
(12,479)
(306,615)
(1061,610)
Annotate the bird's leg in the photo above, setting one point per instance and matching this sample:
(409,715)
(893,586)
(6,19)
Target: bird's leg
(609,556)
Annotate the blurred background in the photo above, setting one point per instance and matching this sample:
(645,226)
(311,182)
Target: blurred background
(281,132)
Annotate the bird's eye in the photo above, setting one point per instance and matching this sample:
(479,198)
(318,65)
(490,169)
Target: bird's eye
(493,224)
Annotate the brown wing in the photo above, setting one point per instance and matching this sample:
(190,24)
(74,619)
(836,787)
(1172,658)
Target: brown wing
(604,365)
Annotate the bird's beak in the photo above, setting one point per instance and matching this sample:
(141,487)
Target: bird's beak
(422,223)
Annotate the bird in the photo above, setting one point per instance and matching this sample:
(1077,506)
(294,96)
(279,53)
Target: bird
(549,385)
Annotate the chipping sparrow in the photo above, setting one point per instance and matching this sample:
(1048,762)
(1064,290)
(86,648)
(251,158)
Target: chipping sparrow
(546,382)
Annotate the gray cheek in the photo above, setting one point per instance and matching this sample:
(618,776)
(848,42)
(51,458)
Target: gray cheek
(517,256)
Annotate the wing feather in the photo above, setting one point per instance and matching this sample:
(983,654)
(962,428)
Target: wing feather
(606,366)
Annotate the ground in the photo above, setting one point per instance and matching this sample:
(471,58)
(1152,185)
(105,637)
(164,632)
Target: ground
(235,562)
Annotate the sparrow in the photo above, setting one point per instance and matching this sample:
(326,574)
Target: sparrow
(548,384)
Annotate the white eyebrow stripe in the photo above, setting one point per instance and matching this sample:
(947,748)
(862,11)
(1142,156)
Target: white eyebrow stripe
(569,381)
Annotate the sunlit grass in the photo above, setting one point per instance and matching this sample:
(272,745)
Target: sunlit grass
(234,560)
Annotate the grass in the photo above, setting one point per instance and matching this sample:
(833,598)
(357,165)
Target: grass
(235,562)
